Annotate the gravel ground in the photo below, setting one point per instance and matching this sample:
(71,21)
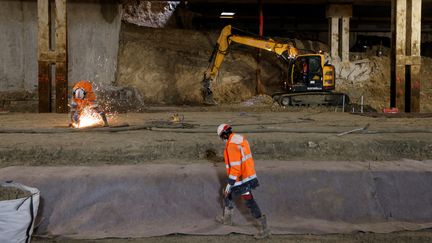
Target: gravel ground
(10,193)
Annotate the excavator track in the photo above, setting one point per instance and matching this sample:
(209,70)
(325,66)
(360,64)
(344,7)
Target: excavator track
(311,99)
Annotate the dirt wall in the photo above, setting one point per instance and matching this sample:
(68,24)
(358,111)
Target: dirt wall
(370,77)
(155,14)
(167,66)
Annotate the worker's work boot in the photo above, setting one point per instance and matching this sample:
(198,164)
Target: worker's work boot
(226,219)
(104,119)
(264,230)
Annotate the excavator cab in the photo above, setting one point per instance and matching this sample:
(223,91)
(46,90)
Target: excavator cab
(309,73)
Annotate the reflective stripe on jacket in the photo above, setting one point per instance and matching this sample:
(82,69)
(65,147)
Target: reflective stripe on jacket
(238,160)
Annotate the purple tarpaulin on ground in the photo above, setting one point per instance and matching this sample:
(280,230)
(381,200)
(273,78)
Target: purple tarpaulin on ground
(160,199)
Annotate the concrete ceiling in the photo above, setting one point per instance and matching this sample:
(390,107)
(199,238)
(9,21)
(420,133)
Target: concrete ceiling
(282,17)
(361,2)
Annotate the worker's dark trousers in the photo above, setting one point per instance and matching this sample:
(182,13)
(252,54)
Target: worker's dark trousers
(245,191)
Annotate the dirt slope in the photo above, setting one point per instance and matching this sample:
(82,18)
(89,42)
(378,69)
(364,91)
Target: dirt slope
(166,65)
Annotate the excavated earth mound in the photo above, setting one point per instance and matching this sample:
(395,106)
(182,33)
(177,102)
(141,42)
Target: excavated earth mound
(167,65)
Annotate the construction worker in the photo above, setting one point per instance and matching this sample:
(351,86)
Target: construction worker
(82,97)
(242,178)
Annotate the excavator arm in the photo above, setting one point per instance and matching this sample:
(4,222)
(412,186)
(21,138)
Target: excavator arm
(285,50)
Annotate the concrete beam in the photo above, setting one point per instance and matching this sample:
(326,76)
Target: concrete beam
(339,10)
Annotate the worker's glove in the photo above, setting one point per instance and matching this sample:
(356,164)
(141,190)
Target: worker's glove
(227,190)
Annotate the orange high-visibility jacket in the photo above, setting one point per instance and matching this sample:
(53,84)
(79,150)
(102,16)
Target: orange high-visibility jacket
(89,99)
(238,160)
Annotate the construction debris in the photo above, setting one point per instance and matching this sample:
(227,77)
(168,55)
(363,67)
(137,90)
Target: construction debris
(363,129)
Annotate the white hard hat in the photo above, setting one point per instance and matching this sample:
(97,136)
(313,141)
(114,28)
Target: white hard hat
(222,128)
(79,93)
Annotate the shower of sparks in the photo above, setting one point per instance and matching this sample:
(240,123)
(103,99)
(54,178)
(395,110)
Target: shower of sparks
(88,118)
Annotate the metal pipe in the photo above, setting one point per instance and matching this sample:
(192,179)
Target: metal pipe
(343,103)
(259,88)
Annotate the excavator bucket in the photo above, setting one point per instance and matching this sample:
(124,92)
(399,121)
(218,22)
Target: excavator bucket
(206,91)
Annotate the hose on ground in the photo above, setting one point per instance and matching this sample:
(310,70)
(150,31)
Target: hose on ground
(182,130)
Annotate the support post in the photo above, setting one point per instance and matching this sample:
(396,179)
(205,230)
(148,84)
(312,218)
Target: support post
(401,8)
(345,39)
(416,55)
(56,55)
(339,16)
(61,57)
(259,86)
(44,86)
(393,56)
(405,87)
(334,37)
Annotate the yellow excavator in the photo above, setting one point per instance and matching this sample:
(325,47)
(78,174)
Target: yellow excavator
(309,78)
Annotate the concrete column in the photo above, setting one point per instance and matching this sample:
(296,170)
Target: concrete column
(334,37)
(415,54)
(44,86)
(393,55)
(339,15)
(61,78)
(400,52)
(407,37)
(345,39)
(52,56)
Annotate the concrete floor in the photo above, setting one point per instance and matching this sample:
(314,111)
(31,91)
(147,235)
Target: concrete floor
(44,139)
(150,138)
(400,237)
